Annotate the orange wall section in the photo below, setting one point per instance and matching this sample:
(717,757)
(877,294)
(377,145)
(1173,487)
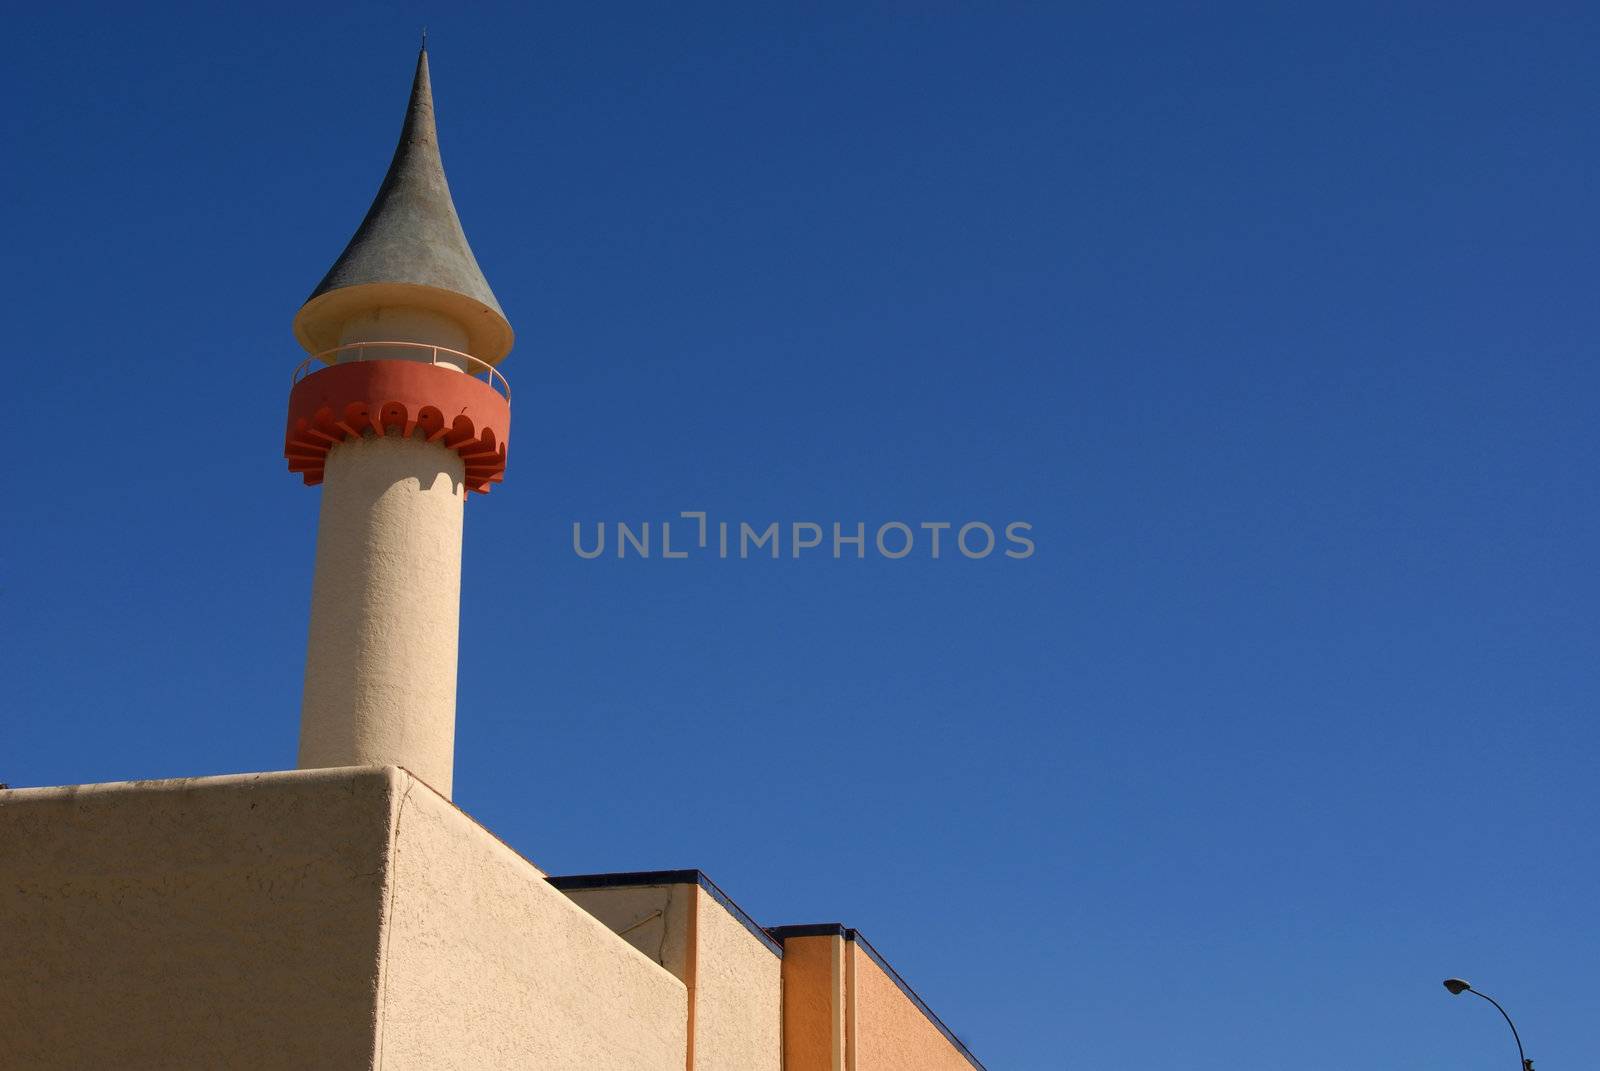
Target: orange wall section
(890,1033)
(846,1009)
(813,1004)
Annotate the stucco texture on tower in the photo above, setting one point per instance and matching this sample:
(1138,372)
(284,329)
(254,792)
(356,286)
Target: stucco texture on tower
(380,684)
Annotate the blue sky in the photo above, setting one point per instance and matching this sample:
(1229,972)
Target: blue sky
(1276,322)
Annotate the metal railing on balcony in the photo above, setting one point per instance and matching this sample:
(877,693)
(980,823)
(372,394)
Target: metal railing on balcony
(439,355)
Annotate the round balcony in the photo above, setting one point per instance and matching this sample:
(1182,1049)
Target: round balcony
(412,389)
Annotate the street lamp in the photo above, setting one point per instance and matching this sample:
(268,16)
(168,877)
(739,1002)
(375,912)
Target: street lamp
(1458,986)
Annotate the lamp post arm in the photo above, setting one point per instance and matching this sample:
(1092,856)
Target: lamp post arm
(1515,1036)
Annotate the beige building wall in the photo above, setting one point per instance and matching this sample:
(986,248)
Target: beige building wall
(355,918)
(734,974)
(208,923)
(489,966)
(652,918)
(324,918)
(736,994)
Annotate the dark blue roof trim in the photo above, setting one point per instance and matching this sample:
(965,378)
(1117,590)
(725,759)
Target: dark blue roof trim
(815,929)
(625,880)
(637,878)
(834,929)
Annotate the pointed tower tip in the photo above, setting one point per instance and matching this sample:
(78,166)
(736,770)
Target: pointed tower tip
(410,249)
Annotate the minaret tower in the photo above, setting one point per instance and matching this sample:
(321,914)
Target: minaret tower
(403,416)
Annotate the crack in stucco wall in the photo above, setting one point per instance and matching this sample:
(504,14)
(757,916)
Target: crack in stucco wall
(381,1005)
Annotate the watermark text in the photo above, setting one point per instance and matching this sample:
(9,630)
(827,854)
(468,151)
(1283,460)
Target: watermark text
(697,535)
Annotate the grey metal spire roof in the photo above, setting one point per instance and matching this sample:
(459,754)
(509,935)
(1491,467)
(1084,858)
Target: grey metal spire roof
(411,234)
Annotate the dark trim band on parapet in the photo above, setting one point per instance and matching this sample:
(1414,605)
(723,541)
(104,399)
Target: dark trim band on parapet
(637,878)
(834,929)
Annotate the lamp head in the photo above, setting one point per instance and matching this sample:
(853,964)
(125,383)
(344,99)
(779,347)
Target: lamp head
(1457,986)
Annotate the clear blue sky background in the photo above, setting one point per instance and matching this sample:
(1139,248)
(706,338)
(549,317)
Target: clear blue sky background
(1277,322)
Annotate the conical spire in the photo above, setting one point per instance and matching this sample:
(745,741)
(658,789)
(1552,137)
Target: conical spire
(410,238)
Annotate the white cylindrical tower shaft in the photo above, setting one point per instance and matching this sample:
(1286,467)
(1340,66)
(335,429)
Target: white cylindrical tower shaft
(380,684)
